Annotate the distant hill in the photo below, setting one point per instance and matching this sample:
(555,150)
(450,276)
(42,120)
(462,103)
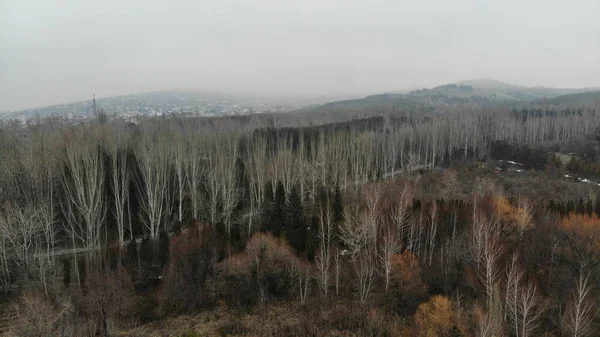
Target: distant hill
(497,90)
(474,93)
(575,101)
(157,103)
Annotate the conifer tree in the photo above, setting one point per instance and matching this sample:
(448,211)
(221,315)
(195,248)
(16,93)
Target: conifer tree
(338,206)
(277,225)
(295,221)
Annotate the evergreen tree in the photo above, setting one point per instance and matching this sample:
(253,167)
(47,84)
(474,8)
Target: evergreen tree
(295,221)
(277,225)
(163,249)
(589,207)
(132,253)
(81,266)
(146,252)
(338,205)
(580,207)
(66,272)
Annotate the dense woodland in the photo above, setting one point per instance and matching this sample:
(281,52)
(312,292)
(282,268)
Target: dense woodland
(109,226)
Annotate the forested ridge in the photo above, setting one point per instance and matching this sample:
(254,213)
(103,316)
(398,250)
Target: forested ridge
(109,226)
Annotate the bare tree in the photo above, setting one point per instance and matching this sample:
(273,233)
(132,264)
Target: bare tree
(365,270)
(401,213)
(514,277)
(194,168)
(523,305)
(299,273)
(83,185)
(388,247)
(6,253)
(432,233)
(179,148)
(352,231)
(154,160)
(256,165)
(323,256)
(524,216)
(230,193)
(22,234)
(119,179)
(337,256)
(531,307)
(580,314)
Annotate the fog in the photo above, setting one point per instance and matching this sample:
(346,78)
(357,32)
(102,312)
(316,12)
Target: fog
(65,50)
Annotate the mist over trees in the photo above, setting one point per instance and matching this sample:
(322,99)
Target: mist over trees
(107,223)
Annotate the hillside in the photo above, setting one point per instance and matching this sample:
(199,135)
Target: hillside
(577,100)
(471,93)
(158,103)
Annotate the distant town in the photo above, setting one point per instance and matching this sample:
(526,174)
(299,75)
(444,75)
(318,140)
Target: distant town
(153,104)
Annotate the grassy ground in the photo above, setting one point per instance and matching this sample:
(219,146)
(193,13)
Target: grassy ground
(275,320)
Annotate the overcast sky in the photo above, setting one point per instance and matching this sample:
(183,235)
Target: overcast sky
(54,51)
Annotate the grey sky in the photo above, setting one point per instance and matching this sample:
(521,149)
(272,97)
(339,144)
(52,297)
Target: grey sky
(62,50)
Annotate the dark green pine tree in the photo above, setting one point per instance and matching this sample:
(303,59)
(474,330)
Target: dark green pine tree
(597,208)
(296,223)
(132,253)
(277,225)
(551,205)
(589,207)
(163,249)
(146,252)
(81,269)
(66,272)
(338,205)
(580,207)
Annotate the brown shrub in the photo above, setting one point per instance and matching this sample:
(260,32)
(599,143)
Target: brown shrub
(260,271)
(40,317)
(437,318)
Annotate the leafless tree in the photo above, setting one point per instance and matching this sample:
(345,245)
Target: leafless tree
(514,278)
(154,160)
(365,270)
(523,305)
(22,234)
(353,232)
(6,253)
(230,193)
(179,148)
(389,246)
(401,213)
(337,262)
(432,233)
(323,256)
(119,179)
(579,317)
(83,185)
(194,168)
(531,307)
(524,216)
(299,273)
(256,165)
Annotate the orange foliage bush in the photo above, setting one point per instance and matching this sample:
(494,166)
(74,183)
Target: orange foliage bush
(262,267)
(407,274)
(436,318)
(192,260)
(519,216)
(582,233)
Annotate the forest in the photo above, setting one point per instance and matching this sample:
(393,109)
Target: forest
(300,225)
